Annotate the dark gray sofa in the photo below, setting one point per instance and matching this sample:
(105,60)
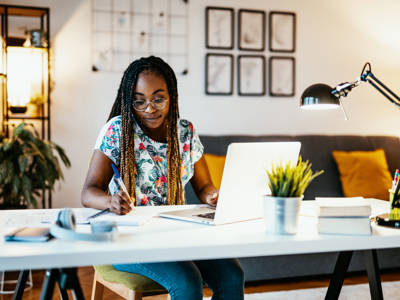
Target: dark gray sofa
(318,150)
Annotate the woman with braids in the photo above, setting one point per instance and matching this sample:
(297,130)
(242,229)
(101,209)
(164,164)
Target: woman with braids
(157,154)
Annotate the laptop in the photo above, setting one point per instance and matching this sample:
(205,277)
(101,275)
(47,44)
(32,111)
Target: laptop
(244,182)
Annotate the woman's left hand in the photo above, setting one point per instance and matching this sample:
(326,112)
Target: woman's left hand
(211,196)
(202,184)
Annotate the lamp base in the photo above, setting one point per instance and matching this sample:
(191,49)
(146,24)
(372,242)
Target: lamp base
(18,109)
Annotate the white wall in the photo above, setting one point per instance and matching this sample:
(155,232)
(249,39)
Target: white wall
(334,39)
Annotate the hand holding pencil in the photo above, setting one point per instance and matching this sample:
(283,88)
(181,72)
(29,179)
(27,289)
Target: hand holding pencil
(121,202)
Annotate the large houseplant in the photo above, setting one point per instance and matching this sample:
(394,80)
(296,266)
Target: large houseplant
(29,166)
(287,184)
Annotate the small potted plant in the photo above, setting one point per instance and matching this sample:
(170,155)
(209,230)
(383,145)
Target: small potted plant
(287,184)
(35,105)
(29,166)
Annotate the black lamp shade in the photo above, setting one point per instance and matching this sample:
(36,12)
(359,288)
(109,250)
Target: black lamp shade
(319,96)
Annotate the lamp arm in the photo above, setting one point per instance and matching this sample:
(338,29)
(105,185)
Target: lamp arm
(381,87)
(343,89)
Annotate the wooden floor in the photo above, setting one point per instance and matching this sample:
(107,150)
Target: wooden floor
(86,277)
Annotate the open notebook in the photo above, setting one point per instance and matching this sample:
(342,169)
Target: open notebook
(82,216)
(130,219)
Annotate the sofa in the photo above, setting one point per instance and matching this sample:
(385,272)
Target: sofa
(318,150)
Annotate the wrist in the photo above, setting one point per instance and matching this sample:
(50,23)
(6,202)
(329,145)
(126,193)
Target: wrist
(108,201)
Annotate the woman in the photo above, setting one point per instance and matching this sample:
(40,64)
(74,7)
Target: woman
(157,154)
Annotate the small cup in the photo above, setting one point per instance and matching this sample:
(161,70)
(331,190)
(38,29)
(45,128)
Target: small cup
(103,226)
(394,212)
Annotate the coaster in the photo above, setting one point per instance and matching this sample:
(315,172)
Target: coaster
(383,220)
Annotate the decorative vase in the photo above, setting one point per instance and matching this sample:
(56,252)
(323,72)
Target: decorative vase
(281,214)
(34,110)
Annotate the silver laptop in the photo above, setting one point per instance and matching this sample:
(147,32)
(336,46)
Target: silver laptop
(243,184)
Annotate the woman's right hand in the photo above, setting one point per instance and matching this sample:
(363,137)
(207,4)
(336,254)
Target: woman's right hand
(120,203)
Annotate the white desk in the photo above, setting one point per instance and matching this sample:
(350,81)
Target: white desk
(169,240)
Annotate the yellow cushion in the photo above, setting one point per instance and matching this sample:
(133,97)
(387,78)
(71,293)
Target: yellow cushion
(132,281)
(364,173)
(215,165)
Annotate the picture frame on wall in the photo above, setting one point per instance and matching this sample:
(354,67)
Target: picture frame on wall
(251,75)
(219,74)
(282,32)
(281,76)
(251,30)
(219,28)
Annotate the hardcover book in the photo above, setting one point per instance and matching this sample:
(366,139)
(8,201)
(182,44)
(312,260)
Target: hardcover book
(344,225)
(342,207)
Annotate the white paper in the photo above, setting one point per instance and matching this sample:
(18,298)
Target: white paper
(123,220)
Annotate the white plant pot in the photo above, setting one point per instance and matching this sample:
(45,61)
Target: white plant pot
(281,214)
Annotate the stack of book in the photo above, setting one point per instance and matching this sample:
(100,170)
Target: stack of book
(344,215)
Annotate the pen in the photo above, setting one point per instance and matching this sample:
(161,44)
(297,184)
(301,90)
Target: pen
(395,180)
(120,182)
(102,212)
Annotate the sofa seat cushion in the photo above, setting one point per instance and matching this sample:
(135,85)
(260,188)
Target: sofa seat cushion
(364,173)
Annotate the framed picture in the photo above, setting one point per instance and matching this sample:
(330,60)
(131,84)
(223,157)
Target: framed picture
(251,75)
(282,31)
(219,74)
(219,28)
(281,76)
(251,30)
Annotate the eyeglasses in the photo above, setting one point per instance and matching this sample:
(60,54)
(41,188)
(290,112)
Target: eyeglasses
(141,104)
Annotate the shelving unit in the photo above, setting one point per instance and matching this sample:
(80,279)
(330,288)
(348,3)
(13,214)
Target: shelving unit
(16,23)
(13,19)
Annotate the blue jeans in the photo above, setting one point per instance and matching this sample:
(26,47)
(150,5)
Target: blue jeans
(184,279)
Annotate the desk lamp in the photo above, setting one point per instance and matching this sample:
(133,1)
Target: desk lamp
(322,96)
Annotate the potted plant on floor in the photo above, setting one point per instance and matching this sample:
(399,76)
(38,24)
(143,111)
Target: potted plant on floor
(287,185)
(29,166)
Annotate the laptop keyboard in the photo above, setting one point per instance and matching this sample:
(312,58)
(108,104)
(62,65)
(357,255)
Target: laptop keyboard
(207,215)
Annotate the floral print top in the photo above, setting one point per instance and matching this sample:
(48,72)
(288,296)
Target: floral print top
(151,159)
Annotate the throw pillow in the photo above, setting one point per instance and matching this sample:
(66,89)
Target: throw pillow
(364,173)
(215,165)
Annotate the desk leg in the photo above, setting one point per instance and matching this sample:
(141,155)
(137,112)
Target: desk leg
(66,278)
(69,280)
(50,279)
(336,283)
(63,293)
(19,290)
(375,286)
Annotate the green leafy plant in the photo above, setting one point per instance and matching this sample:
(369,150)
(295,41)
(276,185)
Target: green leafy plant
(29,166)
(289,180)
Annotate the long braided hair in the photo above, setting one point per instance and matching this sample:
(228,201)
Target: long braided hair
(123,106)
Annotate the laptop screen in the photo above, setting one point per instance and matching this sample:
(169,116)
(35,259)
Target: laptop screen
(244,180)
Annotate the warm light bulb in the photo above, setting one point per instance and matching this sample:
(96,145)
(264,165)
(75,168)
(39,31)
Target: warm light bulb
(25,73)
